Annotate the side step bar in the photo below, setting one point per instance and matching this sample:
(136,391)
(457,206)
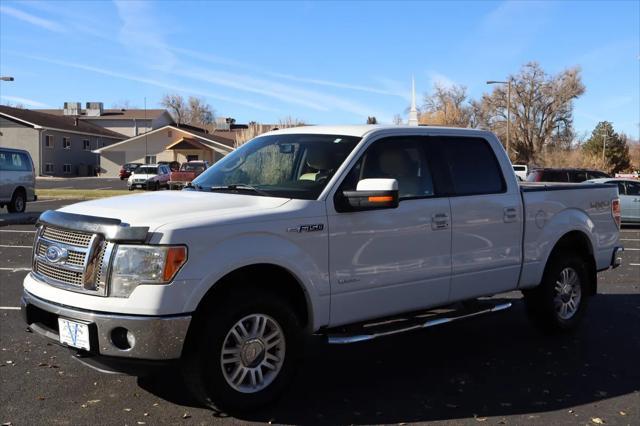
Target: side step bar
(416,324)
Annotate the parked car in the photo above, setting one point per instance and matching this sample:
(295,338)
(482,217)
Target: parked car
(174,166)
(629,192)
(521,170)
(350,233)
(126,169)
(17,179)
(187,173)
(149,176)
(564,175)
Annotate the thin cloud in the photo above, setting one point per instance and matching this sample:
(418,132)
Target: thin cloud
(438,79)
(335,84)
(25,101)
(151,82)
(32,19)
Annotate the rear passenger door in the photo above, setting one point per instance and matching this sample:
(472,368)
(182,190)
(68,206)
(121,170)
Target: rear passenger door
(630,201)
(486,219)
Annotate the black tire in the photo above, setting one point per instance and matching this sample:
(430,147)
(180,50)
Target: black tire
(18,202)
(202,368)
(542,307)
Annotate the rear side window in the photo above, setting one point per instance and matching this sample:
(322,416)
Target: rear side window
(578,176)
(473,166)
(14,162)
(555,176)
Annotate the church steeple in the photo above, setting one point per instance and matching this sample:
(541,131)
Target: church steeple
(413,112)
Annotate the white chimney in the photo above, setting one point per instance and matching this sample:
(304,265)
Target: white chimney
(72,108)
(94,109)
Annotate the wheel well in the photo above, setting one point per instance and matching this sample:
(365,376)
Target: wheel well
(275,278)
(578,242)
(20,189)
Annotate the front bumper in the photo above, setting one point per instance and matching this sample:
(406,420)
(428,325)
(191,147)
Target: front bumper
(157,338)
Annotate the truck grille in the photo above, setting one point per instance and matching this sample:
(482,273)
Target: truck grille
(78,261)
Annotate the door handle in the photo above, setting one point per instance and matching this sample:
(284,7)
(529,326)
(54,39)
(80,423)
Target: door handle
(510,214)
(439,221)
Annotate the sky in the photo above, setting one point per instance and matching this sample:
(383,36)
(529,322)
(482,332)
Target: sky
(322,62)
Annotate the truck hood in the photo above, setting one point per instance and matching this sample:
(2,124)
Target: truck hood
(154,209)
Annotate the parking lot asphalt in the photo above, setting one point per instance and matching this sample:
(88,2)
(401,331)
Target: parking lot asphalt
(496,369)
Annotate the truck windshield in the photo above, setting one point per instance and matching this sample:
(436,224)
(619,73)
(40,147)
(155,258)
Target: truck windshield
(290,166)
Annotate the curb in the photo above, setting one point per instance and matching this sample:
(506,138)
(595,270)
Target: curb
(19,218)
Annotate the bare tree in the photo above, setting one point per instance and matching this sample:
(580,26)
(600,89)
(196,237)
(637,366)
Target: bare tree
(289,121)
(447,106)
(200,113)
(541,111)
(123,104)
(177,107)
(397,119)
(372,120)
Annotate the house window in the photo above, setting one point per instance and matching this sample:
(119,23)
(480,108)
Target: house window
(150,159)
(86,144)
(48,168)
(66,143)
(192,158)
(66,169)
(48,141)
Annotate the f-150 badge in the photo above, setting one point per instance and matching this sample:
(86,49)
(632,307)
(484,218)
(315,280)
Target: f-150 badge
(307,228)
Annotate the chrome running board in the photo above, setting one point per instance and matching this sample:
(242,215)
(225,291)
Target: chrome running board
(416,324)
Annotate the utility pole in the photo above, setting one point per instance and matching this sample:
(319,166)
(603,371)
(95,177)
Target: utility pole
(605,136)
(508,83)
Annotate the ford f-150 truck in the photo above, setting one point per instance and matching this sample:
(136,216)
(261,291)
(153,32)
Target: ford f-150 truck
(337,232)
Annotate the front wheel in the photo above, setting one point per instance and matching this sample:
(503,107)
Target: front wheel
(243,356)
(559,302)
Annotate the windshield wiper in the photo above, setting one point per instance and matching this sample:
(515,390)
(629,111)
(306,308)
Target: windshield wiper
(240,187)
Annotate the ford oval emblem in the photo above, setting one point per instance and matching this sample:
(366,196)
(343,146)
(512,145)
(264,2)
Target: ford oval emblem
(56,254)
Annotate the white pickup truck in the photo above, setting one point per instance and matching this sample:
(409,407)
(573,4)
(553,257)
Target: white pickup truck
(330,231)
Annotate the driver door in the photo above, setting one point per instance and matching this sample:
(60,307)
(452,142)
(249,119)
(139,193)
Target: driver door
(389,261)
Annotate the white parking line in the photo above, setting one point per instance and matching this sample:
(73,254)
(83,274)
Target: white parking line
(15,269)
(629,239)
(107,187)
(45,201)
(9,308)
(631,249)
(10,246)
(18,231)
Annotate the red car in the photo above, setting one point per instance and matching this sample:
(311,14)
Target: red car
(126,170)
(188,172)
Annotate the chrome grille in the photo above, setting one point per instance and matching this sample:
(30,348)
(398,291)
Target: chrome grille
(74,258)
(58,273)
(79,239)
(82,264)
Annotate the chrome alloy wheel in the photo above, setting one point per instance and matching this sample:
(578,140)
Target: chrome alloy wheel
(568,293)
(253,353)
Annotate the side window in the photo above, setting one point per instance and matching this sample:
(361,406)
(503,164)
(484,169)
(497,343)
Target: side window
(473,166)
(400,158)
(633,188)
(621,188)
(578,176)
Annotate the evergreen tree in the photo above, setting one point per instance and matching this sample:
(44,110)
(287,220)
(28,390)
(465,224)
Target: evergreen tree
(616,150)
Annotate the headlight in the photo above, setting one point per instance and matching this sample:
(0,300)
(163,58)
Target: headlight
(135,265)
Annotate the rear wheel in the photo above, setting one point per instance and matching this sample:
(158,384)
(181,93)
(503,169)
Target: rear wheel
(559,302)
(242,357)
(18,202)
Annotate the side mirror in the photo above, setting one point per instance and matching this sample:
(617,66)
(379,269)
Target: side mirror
(370,194)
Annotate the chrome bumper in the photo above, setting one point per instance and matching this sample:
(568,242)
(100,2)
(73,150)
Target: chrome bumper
(615,260)
(156,337)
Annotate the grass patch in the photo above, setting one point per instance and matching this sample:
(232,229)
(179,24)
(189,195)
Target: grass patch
(79,194)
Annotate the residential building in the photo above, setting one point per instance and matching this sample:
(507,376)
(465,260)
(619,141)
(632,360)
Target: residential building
(127,121)
(59,145)
(168,143)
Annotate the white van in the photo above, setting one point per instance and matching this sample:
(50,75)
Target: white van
(521,170)
(17,179)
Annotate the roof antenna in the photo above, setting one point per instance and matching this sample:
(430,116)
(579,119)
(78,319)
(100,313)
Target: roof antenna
(413,112)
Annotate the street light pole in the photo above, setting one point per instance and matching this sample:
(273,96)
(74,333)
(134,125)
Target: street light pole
(508,83)
(605,136)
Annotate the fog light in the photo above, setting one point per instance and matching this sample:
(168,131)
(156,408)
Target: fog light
(122,338)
